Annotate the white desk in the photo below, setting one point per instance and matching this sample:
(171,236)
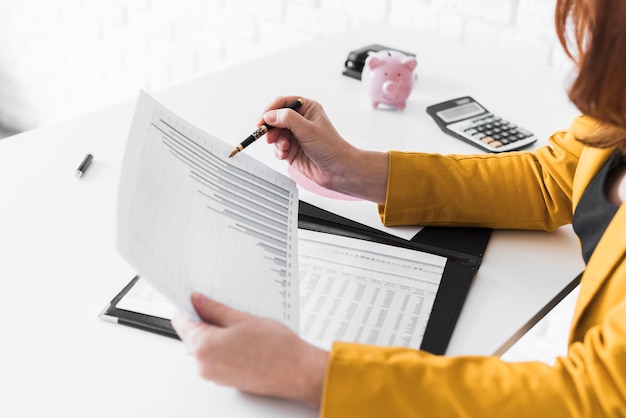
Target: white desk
(57,233)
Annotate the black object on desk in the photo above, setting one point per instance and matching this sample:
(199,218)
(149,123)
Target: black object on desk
(113,313)
(353,67)
(80,171)
(463,248)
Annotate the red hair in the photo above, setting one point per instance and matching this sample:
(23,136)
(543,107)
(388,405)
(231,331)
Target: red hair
(593,34)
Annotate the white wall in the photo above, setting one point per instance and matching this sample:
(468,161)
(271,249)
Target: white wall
(59,58)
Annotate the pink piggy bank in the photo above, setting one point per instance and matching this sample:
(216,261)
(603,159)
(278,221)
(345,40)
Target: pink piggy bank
(388,77)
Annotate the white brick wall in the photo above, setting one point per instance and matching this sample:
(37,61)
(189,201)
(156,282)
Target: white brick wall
(59,58)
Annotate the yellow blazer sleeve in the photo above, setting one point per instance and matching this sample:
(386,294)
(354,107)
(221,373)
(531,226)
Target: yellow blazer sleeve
(590,381)
(364,381)
(522,190)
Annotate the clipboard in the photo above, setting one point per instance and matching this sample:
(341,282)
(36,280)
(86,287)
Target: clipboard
(463,248)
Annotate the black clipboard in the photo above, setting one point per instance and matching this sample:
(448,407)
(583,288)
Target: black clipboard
(463,247)
(155,324)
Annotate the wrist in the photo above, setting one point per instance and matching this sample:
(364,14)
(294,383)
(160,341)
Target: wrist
(365,175)
(312,374)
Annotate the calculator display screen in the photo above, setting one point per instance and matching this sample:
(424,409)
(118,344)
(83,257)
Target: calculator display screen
(460,112)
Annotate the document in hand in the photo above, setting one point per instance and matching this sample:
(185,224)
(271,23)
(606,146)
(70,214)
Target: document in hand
(192,219)
(350,290)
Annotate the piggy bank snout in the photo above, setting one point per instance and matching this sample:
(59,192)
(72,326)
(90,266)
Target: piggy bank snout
(391,87)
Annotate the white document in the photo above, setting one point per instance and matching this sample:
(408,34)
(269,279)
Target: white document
(350,290)
(358,291)
(192,219)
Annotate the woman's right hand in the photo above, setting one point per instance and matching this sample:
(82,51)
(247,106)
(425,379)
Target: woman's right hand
(309,142)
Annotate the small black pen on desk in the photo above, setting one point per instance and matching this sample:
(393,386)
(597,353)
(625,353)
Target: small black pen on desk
(262,130)
(83,166)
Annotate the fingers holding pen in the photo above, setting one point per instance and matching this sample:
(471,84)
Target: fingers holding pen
(284,139)
(308,141)
(287,122)
(280,134)
(282,102)
(273,114)
(263,127)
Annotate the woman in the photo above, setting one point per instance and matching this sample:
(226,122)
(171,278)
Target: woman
(579,178)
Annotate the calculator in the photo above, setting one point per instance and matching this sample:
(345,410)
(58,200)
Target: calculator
(468,120)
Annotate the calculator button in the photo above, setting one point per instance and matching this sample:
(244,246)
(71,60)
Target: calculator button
(496,144)
(487,140)
(524,132)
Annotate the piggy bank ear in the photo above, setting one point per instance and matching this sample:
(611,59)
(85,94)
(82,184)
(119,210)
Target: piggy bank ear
(373,62)
(409,62)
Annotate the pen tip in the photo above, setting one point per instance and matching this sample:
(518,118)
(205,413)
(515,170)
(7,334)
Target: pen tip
(235,151)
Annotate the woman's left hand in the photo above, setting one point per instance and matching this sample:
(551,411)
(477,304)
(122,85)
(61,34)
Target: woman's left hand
(254,354)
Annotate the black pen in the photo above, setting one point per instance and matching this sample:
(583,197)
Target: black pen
(83,166)
(261,130)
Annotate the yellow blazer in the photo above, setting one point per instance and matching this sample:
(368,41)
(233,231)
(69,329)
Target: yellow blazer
(537,190)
